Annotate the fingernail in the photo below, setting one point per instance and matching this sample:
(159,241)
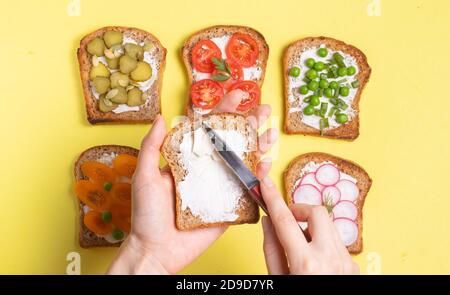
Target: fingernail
(267,181)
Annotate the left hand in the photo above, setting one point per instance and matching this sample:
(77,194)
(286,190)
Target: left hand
(155,245)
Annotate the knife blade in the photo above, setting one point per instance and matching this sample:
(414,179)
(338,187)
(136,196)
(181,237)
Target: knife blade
(237,166)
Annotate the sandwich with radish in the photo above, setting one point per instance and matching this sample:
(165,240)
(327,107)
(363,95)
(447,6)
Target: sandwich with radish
(338,184)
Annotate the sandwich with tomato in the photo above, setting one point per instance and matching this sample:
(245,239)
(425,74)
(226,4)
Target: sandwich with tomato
(223,58)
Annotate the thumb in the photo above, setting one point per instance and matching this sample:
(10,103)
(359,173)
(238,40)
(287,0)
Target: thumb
(231,101)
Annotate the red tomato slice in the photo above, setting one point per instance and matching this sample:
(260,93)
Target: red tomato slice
(254,94)
(202,53)
(242,49)
(206,94)
(237,74)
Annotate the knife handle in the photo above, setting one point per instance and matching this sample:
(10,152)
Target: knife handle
(255,192)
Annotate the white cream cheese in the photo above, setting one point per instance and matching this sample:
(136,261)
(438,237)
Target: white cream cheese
(295,82)
(210,190)
(143,86)
(313,166)
(251,73)
(107,158)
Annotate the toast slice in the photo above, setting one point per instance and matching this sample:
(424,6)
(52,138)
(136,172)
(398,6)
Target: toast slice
(207,194)
(145,113)
(299,167)
(295,119)
(103,153)
(218,32)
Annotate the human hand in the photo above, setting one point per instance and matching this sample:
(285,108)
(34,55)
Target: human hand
(285,247)
(155,245)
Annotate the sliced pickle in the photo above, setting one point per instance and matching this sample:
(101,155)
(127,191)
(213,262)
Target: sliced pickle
(112,38)
(99,71)
(101,84)
(135,51)
(119,79)
(96,47)
(105,105)
(127,64)
(117,95)
(135,97)
(113,63)
(143,72)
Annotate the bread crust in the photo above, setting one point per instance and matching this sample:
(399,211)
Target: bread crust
(86,238)
(293,121)
(248,211)
(219,31)
(364,182)
(150,109)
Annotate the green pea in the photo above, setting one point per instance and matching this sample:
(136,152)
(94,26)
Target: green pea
(344,91)
(311,74)
(341,118)
(319,66)
(315,101)
(322,52)
(334,85)
(118,234)
(313,85)
(310,62)
(351,71)
(328,92)
(342,72)
(294,72)
(309,110)
(303,89)
(107,186)
(106,217)
(323,84)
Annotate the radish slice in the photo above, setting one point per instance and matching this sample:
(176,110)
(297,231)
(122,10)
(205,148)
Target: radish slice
(307,194)
(327,174)
(331,193)
(349,190)
(348,230)
(310,178)
(345,209)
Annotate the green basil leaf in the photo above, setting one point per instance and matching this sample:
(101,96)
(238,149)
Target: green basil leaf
(220,77)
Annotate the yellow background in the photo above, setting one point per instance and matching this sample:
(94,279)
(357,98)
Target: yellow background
(404,141)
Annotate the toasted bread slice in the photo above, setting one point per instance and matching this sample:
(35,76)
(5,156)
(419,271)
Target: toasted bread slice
(294,173)
(294,116)
(88,239)
(147,112)
(245,209)
(220,31)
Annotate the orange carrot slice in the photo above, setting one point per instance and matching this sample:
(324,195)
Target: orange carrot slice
(125,165)
(93,195)
(98,172)
(121,192)
(94,222)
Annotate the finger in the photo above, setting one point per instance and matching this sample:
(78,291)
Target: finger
(148,160)
(286,227)
(263,168)
(231,101)
(273,251)
(320,225)
(267,140)
(259,115)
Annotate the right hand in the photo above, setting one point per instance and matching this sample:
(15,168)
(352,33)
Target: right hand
(285,247)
